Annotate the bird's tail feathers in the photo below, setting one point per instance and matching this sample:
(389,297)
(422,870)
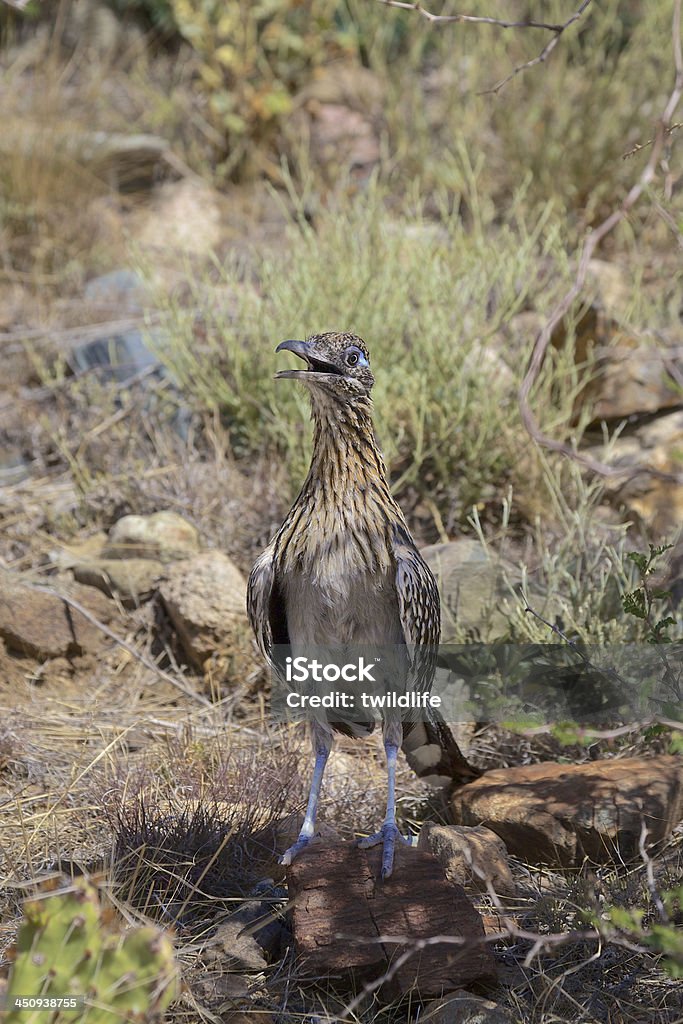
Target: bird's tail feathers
(434,755)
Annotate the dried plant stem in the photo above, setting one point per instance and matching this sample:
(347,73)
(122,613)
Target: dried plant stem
(590,244)
(557,29)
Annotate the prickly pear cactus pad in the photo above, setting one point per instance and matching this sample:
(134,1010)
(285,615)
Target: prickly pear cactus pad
(68,945)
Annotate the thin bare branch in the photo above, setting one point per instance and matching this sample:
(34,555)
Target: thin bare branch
(650,874)
(555,28)
(640,146)
(593,239)
(480,20)
(417,946)
(539,59)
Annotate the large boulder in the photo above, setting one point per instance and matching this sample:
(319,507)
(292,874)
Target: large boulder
(563,813)
(473,590)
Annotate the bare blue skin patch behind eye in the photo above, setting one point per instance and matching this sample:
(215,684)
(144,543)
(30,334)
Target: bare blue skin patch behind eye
(362,361)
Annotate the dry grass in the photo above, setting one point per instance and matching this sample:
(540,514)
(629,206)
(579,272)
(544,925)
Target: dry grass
(172,805)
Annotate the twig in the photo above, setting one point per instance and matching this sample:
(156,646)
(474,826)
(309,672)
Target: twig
(650,874)
(480,20)
(540,942)
(610,673)
(591,242)
(643,145)
(554,27)
(142,658)
(85,333)
(558,632)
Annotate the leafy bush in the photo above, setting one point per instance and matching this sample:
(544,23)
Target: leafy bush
(431,303)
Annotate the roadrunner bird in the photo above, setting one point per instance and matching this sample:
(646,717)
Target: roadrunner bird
(343,570)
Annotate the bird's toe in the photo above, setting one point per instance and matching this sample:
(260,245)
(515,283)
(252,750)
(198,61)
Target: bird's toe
(294,850)
(388,836)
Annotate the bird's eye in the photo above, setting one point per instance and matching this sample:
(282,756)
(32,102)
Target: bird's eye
(351,358)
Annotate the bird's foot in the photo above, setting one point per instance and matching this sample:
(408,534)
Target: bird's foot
(295,849)
(387,836)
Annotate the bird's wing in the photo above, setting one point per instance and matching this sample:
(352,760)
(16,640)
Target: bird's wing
(265,604)
(429,745)
(418,594)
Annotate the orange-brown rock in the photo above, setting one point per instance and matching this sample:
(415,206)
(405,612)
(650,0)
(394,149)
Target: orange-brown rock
(556,813)
(42,625)
(346,920)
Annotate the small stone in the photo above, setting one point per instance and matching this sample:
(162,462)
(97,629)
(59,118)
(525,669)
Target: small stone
(561,814)
(117,357)
(241,948)
(469,855)
(164,536)
(117,290)
(221,986)
(262,917)
(341,908)
(127,162)
(133,580)
(465,1008)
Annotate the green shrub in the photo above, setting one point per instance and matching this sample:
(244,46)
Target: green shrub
(431,303)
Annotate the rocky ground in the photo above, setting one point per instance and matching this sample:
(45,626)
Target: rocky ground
(135,742)
(136,746)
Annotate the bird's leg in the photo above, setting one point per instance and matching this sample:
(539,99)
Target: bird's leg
(389,833)
(322,745)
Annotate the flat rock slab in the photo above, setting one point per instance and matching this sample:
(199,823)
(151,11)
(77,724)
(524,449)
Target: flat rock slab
(343,916)
(42,625)
(560,814)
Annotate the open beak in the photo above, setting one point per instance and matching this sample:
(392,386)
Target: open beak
(315,368)
(299,348)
